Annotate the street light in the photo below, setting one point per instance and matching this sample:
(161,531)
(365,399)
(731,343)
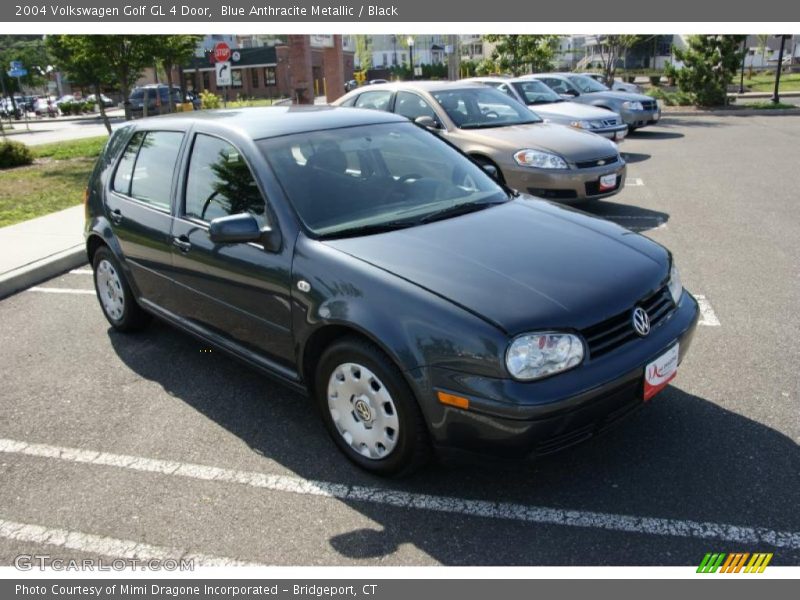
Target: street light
(410,42)
(744,54)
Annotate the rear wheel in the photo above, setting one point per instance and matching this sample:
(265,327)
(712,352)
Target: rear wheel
(369,409)
(114,293)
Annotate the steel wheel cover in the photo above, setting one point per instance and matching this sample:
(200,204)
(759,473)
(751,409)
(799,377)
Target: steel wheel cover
(363,411)
(109,288)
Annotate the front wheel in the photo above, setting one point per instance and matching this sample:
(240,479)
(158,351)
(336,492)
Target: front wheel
(369,409)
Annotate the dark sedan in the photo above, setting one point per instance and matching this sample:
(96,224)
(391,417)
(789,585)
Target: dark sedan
(354,255)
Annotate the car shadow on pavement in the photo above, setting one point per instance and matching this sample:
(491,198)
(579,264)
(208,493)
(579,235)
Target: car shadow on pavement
(650,134)
(634,157)
(634,218)
(681,457)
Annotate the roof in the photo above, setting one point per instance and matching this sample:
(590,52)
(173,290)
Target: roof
(273,121)
(427,86)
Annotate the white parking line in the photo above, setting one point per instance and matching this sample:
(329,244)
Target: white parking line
(81,272)
(752,536)
(107,546)
(47,290)
(634,182)
(707,315)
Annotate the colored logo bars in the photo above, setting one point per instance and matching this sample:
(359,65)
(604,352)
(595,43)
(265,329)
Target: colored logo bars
(734,563)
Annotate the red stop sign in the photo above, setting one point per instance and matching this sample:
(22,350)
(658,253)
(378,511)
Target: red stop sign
(222,52)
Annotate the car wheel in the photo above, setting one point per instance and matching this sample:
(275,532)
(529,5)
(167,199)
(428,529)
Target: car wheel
(369,409)
(114,293)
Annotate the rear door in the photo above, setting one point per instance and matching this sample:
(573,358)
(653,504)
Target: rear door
(138,206)
(239,292)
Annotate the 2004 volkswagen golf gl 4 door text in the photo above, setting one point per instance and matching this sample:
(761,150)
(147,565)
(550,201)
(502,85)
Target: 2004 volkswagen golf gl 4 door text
(354,255)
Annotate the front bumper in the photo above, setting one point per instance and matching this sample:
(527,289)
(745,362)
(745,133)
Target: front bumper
(615,134)
(565,185)
(636,119)
(508,418)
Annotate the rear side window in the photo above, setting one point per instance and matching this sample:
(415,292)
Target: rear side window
(146,167)
(412,106)
(220,183)
(122,178)
(378,100)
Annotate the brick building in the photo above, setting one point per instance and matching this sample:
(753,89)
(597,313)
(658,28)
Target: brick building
(266,71)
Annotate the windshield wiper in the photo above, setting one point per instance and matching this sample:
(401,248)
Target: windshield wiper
(370,229)
(456,210)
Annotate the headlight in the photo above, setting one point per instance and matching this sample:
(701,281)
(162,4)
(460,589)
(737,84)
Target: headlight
(535,355)
(632,105)
(675,285)
(582,124)
(539,159)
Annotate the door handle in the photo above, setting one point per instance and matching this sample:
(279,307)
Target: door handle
(182,243)
(116,216)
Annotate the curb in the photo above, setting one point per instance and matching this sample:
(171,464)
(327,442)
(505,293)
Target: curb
(742,112)
(41,270)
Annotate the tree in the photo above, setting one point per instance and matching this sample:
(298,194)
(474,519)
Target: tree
(710,62)
(519,54)
(172,50)
(363,52)
(616,47)
(76,55)
(30,51)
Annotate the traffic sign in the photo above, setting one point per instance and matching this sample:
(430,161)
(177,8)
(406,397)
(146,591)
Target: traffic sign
(222,52)
(223,70)
(16,65)
(17,72)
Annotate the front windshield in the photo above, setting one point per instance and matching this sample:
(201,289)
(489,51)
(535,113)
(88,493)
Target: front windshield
(474,108)
(361,180)
(587,85)
(535,92)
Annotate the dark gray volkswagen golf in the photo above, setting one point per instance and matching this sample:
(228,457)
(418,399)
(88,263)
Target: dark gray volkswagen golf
(351,254)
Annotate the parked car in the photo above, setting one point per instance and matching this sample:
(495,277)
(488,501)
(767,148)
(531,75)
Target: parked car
(543,159)
(377,81)
(350,85)
(45,107)
(637,110)
(155,96)
(618,85)
(353,255)
(8,110)
(107,102)
(552,107)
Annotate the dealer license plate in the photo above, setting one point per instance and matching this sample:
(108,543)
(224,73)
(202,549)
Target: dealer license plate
(660,372)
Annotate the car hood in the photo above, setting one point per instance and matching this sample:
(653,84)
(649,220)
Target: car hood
(573,144)
(524,265)
(572,110)
(622,96)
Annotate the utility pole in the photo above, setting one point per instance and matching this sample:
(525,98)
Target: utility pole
(744,54)
(454,58)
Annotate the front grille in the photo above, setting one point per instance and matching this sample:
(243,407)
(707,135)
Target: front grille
(560,194)
(610,122)
(593,187)
(649,104)
(618,330)
(598,162)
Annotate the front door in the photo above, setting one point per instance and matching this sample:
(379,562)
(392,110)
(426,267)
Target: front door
(239,292)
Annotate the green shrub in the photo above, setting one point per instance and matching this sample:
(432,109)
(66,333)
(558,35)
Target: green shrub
(209,99)
(14,154)
(88,106)
(655,80)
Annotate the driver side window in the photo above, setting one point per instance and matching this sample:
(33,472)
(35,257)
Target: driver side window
(219,182)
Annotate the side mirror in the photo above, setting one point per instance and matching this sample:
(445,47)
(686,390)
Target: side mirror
(428,123)
(491,170)
(241,229)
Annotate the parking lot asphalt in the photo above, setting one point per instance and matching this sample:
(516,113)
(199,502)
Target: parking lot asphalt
(109,439)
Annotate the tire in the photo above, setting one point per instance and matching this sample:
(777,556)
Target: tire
(114,294)
(485,161)
(385,439)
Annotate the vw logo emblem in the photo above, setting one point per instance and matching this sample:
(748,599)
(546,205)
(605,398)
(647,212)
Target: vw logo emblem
(363,411)
(641,322)
(601,162)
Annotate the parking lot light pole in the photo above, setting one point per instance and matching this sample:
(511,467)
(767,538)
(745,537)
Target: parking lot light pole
(776,95)
(410,42)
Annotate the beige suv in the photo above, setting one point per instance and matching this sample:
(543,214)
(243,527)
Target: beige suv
(547,160)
